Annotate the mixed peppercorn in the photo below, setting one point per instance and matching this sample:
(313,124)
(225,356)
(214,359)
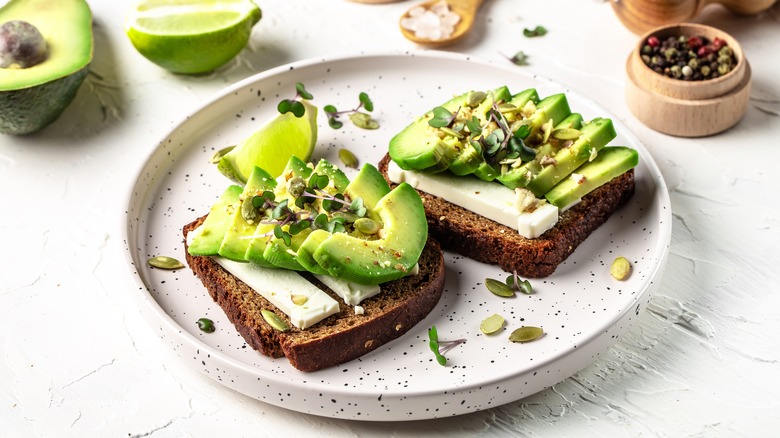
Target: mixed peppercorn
(688,58)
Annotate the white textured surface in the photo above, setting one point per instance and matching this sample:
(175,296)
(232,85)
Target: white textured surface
(77,359)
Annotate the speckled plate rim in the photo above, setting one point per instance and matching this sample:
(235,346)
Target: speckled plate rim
(156,316)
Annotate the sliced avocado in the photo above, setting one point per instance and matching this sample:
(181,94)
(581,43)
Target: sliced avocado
(371,187)
(610,162)
(595,135)
(555,108)
(419,147)
(393,255)
(207,238)
(33,97)
(519,176)
(260,248)
(468,158)
(237,236)
(487,171)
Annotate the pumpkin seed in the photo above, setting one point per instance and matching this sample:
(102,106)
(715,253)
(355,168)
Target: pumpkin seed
(451,132)
(367,226)
(363,120)
(219,154)
(526,334)
(491,324)
(274,320)
(566,133)
(248,209)
(505,108)
(476,97)
(299,300)
(499,288)
(206,325)
(165,262)
(620,268)
(348,158)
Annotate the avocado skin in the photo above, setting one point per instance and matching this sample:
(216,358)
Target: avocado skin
(28,110)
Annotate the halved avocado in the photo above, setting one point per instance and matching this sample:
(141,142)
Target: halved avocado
(33,97)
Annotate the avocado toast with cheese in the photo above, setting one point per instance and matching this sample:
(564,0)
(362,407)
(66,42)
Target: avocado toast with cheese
(512,180)
(315,267)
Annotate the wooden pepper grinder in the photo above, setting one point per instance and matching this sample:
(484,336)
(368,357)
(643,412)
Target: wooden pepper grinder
(639,16)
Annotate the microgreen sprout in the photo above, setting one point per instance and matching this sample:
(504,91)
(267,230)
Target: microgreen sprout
(339,210)
(515,282)
(358,118)
(440,347)
(536,32)
(519,58)
(294,105)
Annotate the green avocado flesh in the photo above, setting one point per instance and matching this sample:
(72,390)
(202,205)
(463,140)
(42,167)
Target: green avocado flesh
(330,242)
(33,97)
(523,142)
(611,162)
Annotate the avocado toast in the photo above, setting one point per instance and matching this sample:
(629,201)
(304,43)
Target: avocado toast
(315,267)
(512,180)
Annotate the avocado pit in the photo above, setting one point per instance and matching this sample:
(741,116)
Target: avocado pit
(21,45)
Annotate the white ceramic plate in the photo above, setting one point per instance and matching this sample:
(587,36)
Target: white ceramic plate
(581,308)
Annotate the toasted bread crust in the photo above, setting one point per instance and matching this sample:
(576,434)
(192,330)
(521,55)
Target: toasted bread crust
(339,338)
(476,237)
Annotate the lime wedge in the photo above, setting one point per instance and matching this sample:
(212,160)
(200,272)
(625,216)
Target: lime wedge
(191,36)
(271,146)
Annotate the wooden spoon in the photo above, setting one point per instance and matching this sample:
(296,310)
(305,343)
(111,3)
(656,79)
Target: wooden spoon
(466,9)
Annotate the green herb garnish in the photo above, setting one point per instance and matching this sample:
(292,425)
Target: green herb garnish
(358,118)
(536,32)
(518,284)
(519,58)
(440,347)
(294,105)
(206,325)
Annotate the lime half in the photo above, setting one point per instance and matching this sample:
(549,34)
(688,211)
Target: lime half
(191,36)
(271,146)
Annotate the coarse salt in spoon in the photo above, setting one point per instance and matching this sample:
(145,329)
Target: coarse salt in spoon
(439,22)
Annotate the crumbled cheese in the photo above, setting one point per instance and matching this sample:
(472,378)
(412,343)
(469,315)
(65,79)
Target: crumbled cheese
(525,199)
(359,310)
(578,178)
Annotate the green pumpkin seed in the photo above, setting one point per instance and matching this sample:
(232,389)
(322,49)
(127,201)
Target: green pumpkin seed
(165,262)
(476,97)
(363,120)
(206,325)
(248,210)
(367,226)
(299,300)
(620,268)
(499,288)
(491,324)
(451,132)
(348,158)
(506,108)
(219,154)
(526,334)
(274,320)
(567,133)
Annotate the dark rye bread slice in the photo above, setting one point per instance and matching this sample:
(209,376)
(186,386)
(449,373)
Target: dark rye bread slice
(463,231)
(339,338)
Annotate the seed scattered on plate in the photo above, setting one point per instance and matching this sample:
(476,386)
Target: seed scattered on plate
(219,154)
(165,262)
(492,324)
(499,288)
(526,334)
(620,268)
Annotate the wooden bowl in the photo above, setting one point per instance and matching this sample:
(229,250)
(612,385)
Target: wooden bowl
(642,15)
(687,108)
